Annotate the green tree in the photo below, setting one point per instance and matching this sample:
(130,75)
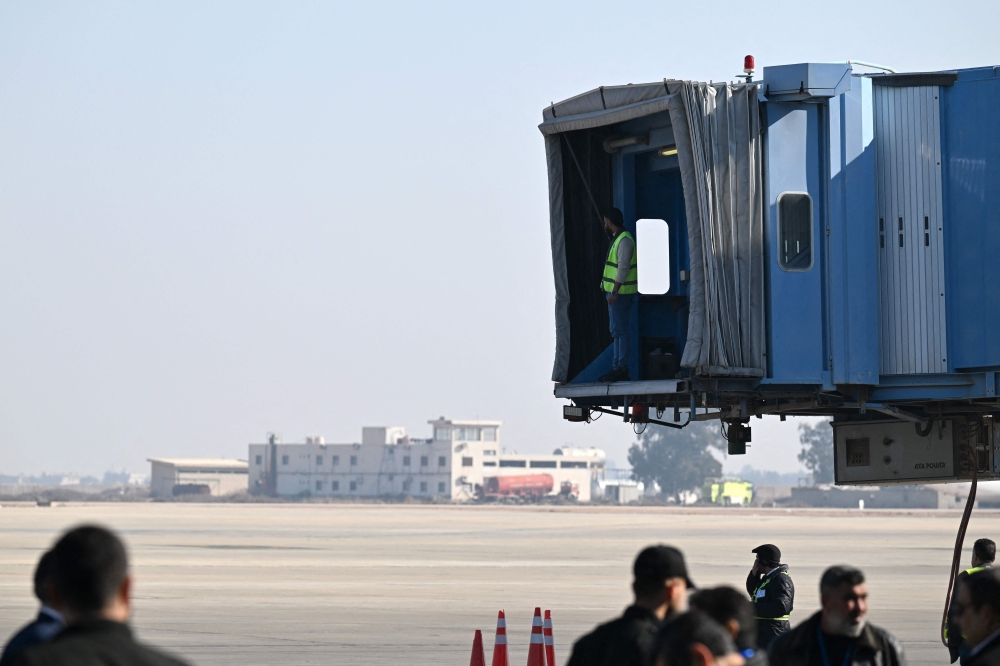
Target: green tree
(817,450)
(677,460)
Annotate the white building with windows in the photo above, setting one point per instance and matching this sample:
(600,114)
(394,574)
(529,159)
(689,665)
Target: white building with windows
(452,464)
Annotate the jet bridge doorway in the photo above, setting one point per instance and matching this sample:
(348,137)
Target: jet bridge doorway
(647,186)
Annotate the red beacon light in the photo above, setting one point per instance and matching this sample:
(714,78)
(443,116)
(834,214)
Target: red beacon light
(748,66)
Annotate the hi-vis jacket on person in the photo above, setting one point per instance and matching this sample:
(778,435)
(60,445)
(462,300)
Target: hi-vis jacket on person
(772,597)
(631,284)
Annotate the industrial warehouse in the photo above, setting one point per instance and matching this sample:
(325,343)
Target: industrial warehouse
(462,460)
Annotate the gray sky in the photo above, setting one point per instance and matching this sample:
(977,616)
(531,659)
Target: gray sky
(222,219)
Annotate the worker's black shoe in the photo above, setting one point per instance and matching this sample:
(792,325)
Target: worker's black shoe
(616,375)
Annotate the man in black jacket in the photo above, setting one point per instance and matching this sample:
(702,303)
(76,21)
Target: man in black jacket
(977,616)
(660,586)
(839,634)
(984,551)
(92,588)
(772,593)
(49,621)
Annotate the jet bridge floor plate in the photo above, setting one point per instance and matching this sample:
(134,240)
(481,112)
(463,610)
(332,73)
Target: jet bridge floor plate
(599,389)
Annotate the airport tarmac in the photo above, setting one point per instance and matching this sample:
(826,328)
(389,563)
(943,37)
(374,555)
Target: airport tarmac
(289,584)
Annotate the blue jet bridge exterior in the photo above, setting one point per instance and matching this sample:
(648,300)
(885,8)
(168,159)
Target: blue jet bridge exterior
(831,241)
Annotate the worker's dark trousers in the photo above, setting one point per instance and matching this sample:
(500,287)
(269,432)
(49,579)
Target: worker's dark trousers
(768,630)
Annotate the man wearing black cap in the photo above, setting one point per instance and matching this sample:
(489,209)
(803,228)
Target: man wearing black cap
(772,593)
(661,584)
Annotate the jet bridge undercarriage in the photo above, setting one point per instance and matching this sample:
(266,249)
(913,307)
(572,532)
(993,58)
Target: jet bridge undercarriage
(882,434)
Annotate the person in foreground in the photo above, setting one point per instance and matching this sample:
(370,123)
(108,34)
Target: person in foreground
(695,639)
(49,621)
(731,609)
(977,616)
(660,586)
(839,634)
(92,588)
(984,552)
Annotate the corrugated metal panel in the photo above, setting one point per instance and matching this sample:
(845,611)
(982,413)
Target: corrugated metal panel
(911,248)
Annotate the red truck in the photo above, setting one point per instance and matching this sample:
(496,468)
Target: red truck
(524,485)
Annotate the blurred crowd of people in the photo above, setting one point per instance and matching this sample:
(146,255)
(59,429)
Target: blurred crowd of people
(84,586)
(669,625)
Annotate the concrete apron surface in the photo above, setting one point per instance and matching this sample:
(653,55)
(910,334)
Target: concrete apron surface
(390,584)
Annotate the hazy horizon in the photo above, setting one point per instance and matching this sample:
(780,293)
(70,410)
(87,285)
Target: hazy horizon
(226,219)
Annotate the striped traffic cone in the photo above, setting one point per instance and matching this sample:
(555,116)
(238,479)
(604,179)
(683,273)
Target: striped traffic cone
(478,655)
(536,651)
(550,646)
(500,657)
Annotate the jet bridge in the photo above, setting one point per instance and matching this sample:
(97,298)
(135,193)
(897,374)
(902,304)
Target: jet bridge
(818,242)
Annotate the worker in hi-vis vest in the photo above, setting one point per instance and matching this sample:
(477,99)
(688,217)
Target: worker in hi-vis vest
(984,552)
(772,593)
(620,283)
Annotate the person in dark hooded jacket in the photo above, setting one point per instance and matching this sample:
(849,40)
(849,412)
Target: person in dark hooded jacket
(772,593)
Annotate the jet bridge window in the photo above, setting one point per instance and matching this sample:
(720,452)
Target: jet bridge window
(795,231)
(653,256)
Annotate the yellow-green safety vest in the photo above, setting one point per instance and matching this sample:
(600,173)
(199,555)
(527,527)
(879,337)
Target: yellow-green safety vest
(761,587)
(631,284)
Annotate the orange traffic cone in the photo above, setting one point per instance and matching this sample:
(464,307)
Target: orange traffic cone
(478,655)
(500,657)
(536,651)
(550,646)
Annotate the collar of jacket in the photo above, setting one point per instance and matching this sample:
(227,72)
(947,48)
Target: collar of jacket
(807,636)
(50,614)
(634,612)
(780,569)
(96,626)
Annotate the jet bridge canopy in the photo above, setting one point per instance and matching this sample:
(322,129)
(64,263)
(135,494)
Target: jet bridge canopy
(715,133)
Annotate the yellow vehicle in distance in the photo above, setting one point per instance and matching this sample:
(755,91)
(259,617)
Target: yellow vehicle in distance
(727,492)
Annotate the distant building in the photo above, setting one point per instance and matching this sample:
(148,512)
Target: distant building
(618,486)
(873,497)
(170,477)
(452,464)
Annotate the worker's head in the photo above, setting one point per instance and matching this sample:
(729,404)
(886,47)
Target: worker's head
(613,220)
(983,552)
(768,557)
(43,578)
(843,595)
(90,575)
(730,608)
(977,609)
(695,639)
(661,580)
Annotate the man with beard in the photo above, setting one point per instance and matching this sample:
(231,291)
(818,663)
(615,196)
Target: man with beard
(621,287)
(977,615)
(839,634)
(983,553)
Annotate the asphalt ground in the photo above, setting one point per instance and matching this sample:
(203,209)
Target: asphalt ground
(392,584)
